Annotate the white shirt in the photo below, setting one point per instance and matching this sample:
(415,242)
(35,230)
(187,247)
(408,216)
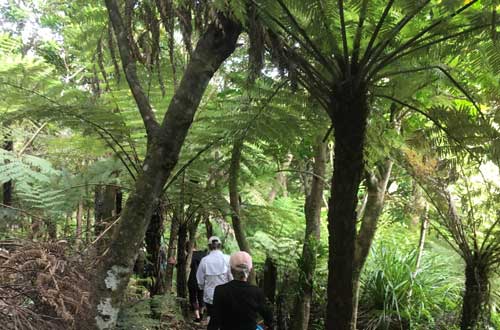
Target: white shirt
(213,270)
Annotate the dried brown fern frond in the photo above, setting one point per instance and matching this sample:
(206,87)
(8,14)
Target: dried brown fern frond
(43,287)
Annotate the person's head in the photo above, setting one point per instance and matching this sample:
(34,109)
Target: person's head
(241,265)
(214,243)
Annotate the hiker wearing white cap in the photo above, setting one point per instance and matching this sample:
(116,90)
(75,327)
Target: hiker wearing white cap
(213,270)
(237,303)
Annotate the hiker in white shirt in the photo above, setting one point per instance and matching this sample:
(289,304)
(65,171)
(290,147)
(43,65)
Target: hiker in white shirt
(213,270)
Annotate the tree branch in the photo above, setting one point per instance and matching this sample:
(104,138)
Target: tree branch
(129,67)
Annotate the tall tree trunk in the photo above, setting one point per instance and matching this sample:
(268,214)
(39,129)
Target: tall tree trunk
(104,206)
(376,186)
(79,223)
(98,210)
(154,257)
(51,227)
(234,201)
(349,117)
(234,196)
(181,279)
(164,144)
(314,201)
(171,251)
(88,227)
(209,227)
(270,280)
(476,295)
(424,224)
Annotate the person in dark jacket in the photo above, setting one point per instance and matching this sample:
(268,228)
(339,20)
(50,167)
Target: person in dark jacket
(237,304)
(195,294)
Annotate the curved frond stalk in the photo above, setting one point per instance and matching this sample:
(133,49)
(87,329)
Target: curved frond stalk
(384,61)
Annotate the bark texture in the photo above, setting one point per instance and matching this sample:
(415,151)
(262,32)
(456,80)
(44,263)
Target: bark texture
(234,196)
(79,224)
(270,280)
(314,201)
(164,145)
(171,251)
(349,116)
(376,186)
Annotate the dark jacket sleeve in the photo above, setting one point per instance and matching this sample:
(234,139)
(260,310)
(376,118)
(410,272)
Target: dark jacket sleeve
(264,309)
(214,323)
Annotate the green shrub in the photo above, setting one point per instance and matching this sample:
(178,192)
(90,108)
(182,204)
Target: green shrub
(393,296)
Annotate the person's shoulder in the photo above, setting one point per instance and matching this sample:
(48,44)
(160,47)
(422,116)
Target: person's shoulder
(222,287)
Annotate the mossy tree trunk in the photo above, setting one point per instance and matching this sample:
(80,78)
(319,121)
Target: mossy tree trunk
(164,144)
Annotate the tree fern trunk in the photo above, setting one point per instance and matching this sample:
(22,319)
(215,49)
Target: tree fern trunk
(314,201)
(476,295)
(349,116)
(154,234)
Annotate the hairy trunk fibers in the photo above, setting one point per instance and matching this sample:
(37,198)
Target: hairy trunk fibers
(349,117)
(164,144)
(376,186)
(154,256)
(314,201)
(270,280)
(476,295)
(171,251)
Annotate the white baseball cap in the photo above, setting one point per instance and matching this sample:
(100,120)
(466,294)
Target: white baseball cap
(214,239)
